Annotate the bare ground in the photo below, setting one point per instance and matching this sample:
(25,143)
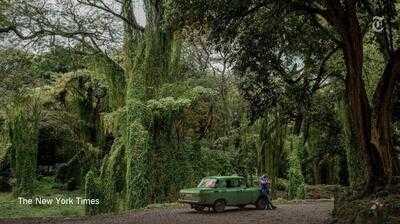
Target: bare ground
(309,212)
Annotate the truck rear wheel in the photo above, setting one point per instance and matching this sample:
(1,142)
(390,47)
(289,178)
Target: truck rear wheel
(219,206)
(260,204)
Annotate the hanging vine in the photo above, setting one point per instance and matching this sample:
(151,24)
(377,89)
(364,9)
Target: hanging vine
(272,152)
(24,117)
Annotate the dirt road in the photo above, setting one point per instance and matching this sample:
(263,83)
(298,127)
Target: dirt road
(311,212)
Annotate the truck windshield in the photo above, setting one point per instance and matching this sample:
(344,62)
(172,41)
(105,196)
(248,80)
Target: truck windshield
(208,183)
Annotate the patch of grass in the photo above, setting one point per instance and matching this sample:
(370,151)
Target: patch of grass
(11,207)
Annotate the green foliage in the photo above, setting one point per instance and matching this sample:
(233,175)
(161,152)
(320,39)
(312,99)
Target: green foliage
(112,122)
(137,156)
(58,59)
(155,64)
(156,170)
(114,167)
(176,67)
(84,97)
(281,185)
(162,121)
(213,162)
(94,190)
(356,167)
(21,71)
(243,160)
(115,78)
(296,180)
(70,126)
(272,152)
(24,120)
(113,175)
(74,104)
(16,74)
(4,142)
(324,157)
(138,165)
(89,159)
(3,7)
(167,107)
(327,160)
(374,64)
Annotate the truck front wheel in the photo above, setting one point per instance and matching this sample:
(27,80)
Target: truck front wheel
(219,206)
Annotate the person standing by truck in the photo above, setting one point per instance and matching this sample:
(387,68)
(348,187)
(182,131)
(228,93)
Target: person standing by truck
(265,185)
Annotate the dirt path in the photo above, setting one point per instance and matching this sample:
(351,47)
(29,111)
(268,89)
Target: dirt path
(312,212)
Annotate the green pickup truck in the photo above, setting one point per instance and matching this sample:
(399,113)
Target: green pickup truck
(219,191)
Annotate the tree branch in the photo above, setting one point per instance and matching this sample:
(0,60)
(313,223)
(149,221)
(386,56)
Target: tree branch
(386,86)
(319,79)
(130,21)
(45,32)
(325,30)
(309,7)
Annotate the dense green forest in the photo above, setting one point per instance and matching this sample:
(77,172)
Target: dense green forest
(130,101)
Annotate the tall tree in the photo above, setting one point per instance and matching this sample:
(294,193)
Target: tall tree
(370,125)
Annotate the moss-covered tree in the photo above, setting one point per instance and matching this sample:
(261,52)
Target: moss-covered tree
(296,179)
(24,117)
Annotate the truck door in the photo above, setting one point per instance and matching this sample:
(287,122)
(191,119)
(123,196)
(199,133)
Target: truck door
(245,195)
(233,190)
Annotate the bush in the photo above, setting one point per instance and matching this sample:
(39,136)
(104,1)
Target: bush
(280,184)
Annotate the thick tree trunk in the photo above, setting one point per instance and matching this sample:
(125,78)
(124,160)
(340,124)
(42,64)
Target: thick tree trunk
(381,133)
(359,112)
(344,19)
(317,174)
(372,154)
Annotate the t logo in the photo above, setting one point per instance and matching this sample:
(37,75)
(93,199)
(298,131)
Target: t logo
(377,24)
